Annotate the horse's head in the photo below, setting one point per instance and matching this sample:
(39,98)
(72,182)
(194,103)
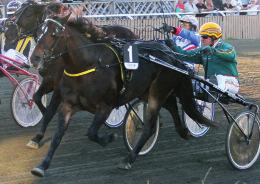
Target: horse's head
(50,42)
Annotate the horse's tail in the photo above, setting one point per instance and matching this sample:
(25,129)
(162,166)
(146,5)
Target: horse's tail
(189,105)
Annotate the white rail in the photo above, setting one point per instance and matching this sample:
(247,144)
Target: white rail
(131,16)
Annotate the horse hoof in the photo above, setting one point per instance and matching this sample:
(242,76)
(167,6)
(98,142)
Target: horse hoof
(33,145)
(124,166)
(37,172)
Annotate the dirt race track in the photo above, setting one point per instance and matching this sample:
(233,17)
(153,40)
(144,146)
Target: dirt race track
(173,159)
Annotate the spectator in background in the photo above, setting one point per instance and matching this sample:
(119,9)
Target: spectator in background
(243,7)
(233,5)
(180,8)
(244,4)
(237,4)
(209,5)
(190,7)
(227,6)
(218,4)
(202,8)
(253,6)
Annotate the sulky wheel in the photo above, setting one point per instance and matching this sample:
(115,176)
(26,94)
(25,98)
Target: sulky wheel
(133,127)
(116,117)
(196,129)
(24,110)
(243,149)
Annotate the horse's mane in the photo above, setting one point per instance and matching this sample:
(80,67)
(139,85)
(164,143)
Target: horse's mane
(85,26)
(95,32)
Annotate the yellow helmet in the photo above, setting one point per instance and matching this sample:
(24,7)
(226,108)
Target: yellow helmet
(211,29)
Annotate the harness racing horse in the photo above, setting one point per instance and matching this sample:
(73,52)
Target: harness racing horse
(28,19)
(85,66)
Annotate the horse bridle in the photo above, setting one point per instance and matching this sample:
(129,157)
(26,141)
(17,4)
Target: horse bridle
(60,28)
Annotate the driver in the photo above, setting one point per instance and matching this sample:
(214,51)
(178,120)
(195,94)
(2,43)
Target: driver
(185,36)
(217,57)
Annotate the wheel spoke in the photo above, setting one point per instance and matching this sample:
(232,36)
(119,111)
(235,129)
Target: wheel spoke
(243,153)
(24,113)
(134,127)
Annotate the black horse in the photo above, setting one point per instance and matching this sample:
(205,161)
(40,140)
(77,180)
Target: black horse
(88,85)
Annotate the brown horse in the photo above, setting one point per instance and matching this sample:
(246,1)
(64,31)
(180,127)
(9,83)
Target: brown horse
(28,19)
(88,85)
(28,22)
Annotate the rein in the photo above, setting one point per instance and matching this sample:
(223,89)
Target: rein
(81,47)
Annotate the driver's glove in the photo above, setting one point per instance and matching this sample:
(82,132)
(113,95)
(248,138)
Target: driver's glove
(174,30)
(166,28)
(207,50)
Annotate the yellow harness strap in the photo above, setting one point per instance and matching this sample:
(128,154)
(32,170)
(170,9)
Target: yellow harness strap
(21,45)
(94,69)
(80,74)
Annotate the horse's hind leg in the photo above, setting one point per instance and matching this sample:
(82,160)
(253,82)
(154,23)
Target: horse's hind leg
(99,119)
(63,122)
(148,130)
(172,107)
(47,116)
(158,93)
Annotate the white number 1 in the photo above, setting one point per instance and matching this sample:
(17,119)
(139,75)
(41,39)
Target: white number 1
(130,51)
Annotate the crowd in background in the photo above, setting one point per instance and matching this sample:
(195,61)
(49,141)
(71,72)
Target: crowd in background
(201,7)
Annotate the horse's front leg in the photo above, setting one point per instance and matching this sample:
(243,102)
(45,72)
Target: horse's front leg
(100,117)
(172,107)
(50,112)
(63,122)
(37,97)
